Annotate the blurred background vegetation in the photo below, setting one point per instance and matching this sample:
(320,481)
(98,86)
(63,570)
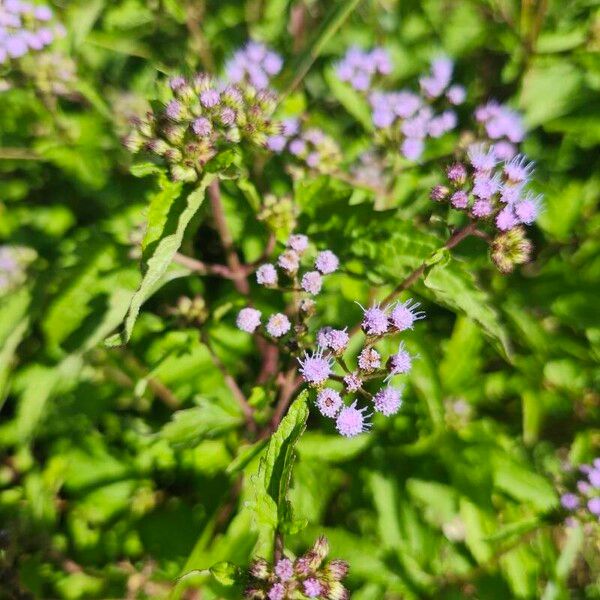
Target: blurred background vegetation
(107,490)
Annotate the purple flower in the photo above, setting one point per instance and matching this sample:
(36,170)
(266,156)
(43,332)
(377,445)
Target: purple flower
(594,477)
(277,592)
(459,199)
(284,569)
(481,159)
(527,210)
(278,325)
(456,173)
(312,282)
(297,147)
(369,360)
(312,587)
(583,487)
(266,275)
(594,506)
(338,340)
(255,63)
(456,94)
(351,421)
(202,127)
(506,219)
(298,242)
(289,261)
(387,401)
(272,63)
(482,208)
(248,319)
(511,193)
(290,126)
(405,314)
(329,402)
(383,118)
(315,368)
(276,143)
(323,336)
(485,187)
(412,148)
(401,362)
(518,170)
(438,193)
(569,501)
(177,82)
(209,98)
(327,262)
(227,116)
(504,150)
(352,382)
(375,320)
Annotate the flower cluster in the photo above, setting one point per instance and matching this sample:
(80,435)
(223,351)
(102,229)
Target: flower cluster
(288,267)
(490,189)
(13,265)
(52,73)
(317,367)
(309,576)
(25,28)
(408,118)
(584,499)
(254,64)
(502,126)
(359,67)
(201,119)
(311,146)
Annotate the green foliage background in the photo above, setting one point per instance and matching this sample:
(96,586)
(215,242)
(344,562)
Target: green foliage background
(118,464)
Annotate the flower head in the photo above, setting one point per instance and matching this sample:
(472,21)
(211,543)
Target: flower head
(401,362)
(298,242)
(404,315)
(388,400)
(284,569)
(518,170)
(351,421)
(266,275)
(369,360)
(594,506)
(277,592)
(482,208)
(278,325)
(506,219)
(527,210)
(375,320)
(327,262)
(485,187)
(289,261)
(459,199)
(456,173)
(312,587)
(248,319)
(329,402)
(312,282)
(481,159)
(352,382)
(254,63)
(315,368)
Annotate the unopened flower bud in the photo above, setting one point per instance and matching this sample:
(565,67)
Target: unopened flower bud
(186,174)
(259,569)
(336,591)
(511,248)
(439,192)
(336,569)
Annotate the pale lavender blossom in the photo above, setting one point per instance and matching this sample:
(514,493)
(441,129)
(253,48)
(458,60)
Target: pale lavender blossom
(289,261)
(248,319)
(338,340)
(202,127)
(290,126)
(511,193)
(255,63)
(284,569)
(569,501)
(358,67)
(481,159)
(351,421)
(323,336)
(456,173)
(504,150)
(369,360)
(404,315)
(209,98)
(327,262)
(387,401)
(506,219)
(594,477)
(297,147)
(528,209)
(485,186)
(277,592)
(266,275)
(401,362)
(278,325)
(312,587)
(375,320)
(456,94)
(482,209)
(459,199)
(438,80)
(173,110)
(276,143)
(518,170)
(353,382)
(594,506)
(329,402)
(312,282)
(412,148)
(298,242)
(315,368)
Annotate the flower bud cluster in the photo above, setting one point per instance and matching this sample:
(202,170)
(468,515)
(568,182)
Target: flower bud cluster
(407,118)
(317,367)
(190,310)
(52,73)
(26,27)
(13,266)
(254,64)
(309,576)
(502,126)
(490,189)
(287,267)
(584,499)
(201,119)
(311,146)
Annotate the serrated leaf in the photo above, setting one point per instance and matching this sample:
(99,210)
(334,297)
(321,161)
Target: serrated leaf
(160,253)
(456,288)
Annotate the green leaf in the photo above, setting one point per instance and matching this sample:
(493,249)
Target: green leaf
(226,573)
(275,470)
(189,426)
(146,168)
(455,287)
(165,234)
(350,99)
